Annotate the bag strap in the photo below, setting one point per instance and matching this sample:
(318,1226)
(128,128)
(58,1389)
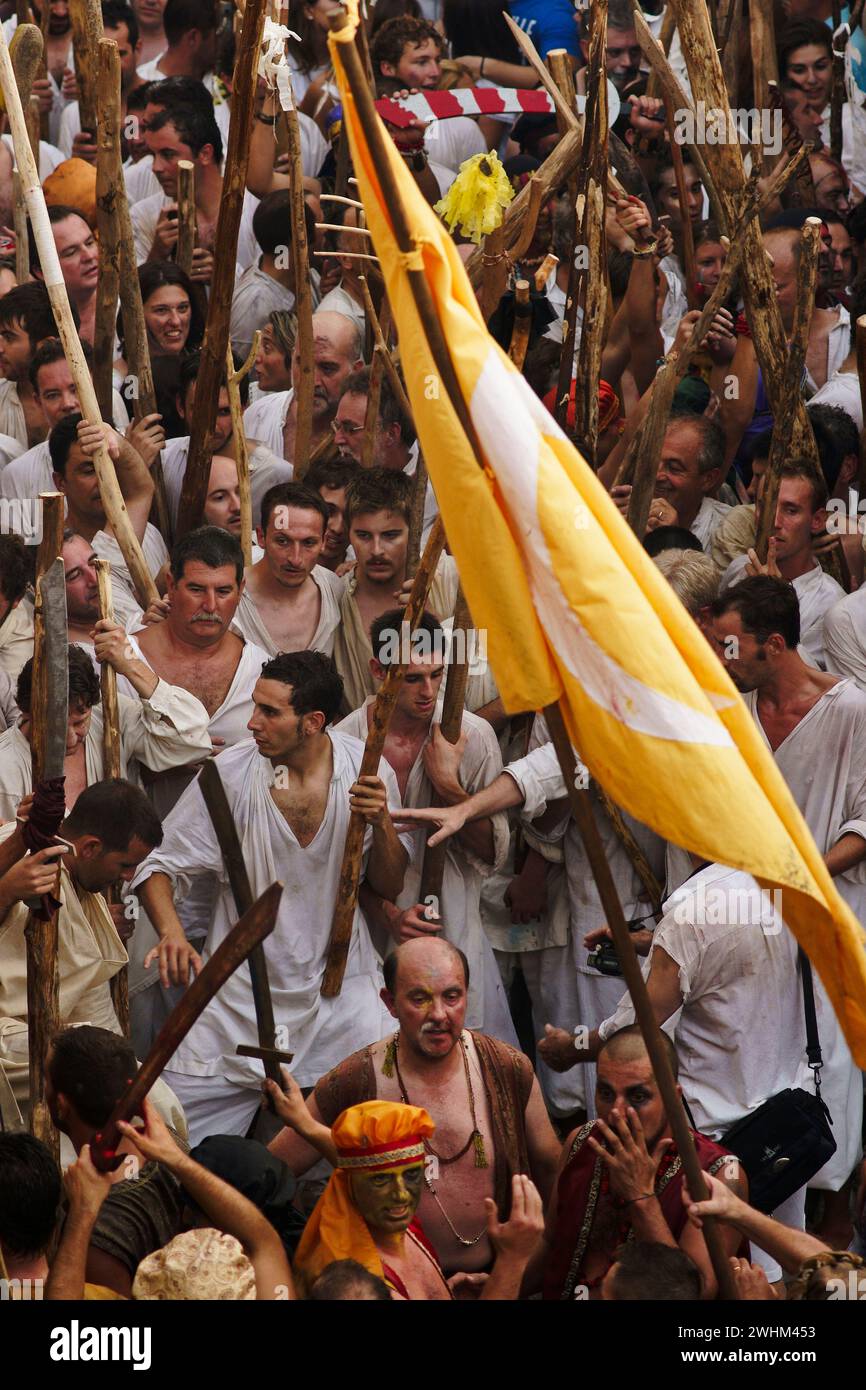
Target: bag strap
(813,1042)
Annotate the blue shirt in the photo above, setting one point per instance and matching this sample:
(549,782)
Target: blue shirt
(549,23)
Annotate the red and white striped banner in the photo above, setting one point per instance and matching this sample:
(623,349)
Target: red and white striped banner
(478,101)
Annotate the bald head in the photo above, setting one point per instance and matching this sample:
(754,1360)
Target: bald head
(337,352)
(627,1045)
(426,983)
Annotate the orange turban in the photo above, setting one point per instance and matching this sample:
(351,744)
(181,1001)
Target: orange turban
(374,1137)
(73,184)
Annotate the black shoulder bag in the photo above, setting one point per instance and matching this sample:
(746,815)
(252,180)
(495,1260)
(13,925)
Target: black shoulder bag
(785,1142)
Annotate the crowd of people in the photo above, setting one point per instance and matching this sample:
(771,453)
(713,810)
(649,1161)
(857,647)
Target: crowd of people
(475,1113)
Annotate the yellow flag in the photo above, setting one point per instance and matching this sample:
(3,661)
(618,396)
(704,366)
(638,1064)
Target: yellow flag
(576,611)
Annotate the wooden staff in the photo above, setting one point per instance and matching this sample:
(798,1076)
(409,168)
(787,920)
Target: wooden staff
(687,240)
(186,228)
(416,514)
(730,53)
(380,717)
(451,724)
(112,499)
(111,768)
(19,219)
(581,810)
(726,162)
(26,58)
(303,301)
(665,38)
(792,384)
(563,75)
(381,346)
(213,353)
(107,225)
(252,929)
(41,935)
(371,414)
(802,192)
(519,344)
(42,71)
(496,270)
(592,202)
(837,90)
(86,18)
(242,453)
(860,334)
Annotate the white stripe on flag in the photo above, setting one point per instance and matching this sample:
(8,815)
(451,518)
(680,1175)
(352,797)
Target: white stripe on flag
(509,418)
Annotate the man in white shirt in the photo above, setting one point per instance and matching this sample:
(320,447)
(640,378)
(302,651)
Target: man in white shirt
(801,515)
(120,24)
(269,283)
(291,789)
(190,28)
(291,603)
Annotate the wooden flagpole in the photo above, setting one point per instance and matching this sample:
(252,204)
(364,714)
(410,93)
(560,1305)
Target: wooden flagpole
(186,229)
(107,224)
(112,499)
(440,354)
(213,353)
(592,197)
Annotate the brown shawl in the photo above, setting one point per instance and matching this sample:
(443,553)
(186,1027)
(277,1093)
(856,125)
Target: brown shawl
(508,1078)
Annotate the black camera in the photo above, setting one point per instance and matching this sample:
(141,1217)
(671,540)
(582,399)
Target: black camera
(604,959)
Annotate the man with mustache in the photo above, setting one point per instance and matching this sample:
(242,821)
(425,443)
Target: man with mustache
(428,767)
(291,602)
(378,506)
(337,349)
(482,1095)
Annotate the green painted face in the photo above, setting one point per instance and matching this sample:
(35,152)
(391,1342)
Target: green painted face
(388,1201)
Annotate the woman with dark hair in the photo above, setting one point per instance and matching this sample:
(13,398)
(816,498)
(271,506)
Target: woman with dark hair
(172,311)
(308,56)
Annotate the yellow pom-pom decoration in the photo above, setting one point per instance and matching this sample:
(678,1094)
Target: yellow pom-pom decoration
(478,197)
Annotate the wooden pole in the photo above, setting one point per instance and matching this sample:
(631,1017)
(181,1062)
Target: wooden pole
(450,724)
(563,75)
(792,384)
(665,38)
(636,985)
(416,514)
(186,229)
(380,716)
(522,326)
(687,240)
(107,223)
(381,345)
(25,64)
(303,301)
(86,17)
(41,934)
(213,353)
(111,768)
(371,414)
(242,453)
(726,162)
(22,245)
(496,265)
(593,181)
(837,90)
(112,499)
(42,71)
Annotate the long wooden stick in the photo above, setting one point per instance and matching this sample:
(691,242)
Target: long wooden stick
(19,219)
(112,498)
(380,716)
(594,278)
(416,514)
(450,724)
(303,301)
(213,353)
(726,162)
(86,17)
(792,385)
(186,228)
(252,929)
(581,809)
(107,223)
(371,414)
(837,89)
(380,345)
(26,60)
(687,240)
(665,38)
(242,453)
(562,73)
(111,767)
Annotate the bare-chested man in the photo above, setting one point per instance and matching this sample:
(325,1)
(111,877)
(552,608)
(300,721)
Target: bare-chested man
(378,505)
(291,603)
(481,1094)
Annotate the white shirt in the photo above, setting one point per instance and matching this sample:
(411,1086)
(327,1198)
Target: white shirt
(266,470)
(249,623)
(711,514)
(844,636)
(257,295)
(145,215)
(842,389)
(265,419)
(338,301)
(816,591)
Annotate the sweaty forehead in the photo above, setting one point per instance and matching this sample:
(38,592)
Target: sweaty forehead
(622,1072)
(429,965)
